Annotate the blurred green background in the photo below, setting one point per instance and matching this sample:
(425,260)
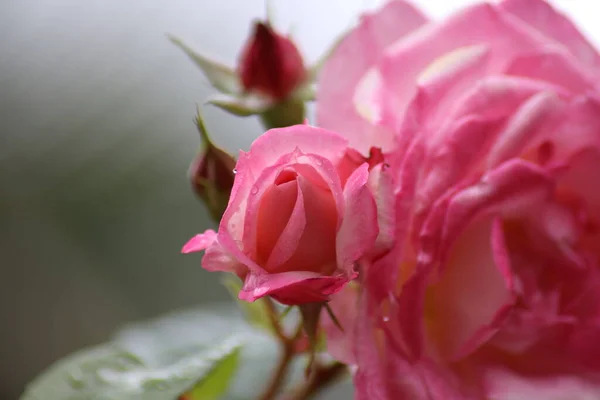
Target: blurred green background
(96,135)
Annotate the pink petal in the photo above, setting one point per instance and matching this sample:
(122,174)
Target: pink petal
(553,66)
(215,257)
(237,230)
(479,24)
(280,224)
(328,175)
(578,129)
(470,301)
(315,250)
(256,190)
(459,148)
(271,145)
(509,190)
(582,171)
(540,15)
(340,76)
(499,97)
(503,384)
(536,117)
(359,228)
(455,158)
(340,343)
(383,275)
(385,374)
(293,288)
(439,90)
(381,183)
(200,242)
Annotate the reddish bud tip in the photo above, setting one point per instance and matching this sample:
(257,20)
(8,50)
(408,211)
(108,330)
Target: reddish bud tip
(270,63)
(211,175)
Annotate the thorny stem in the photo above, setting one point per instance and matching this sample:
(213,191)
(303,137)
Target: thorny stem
(288,351)
(274,319)
(280,373)
(321,379)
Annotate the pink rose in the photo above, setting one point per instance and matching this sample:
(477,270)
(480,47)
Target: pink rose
(493,288)
(293,229)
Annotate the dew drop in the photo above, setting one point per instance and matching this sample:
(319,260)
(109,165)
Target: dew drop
(235,171)
(318,161)
(254,190)
(386,319)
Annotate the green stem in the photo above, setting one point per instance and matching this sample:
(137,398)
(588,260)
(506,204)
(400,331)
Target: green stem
(321,379)
(288,352)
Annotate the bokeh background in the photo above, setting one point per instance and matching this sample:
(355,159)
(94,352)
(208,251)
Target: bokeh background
(96,135)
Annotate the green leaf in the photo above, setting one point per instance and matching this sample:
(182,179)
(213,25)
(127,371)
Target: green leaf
(160,359)
(242,106)
(110,372)
(216,382)
(220,76)
(256,312)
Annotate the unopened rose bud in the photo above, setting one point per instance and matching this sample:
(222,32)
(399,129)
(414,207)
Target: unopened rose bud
(211,174)
(271,64)
(270,80)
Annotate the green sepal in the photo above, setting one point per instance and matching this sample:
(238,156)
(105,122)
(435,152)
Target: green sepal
(222,77)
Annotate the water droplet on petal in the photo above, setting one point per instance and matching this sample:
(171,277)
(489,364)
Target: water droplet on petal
(318,161)
(254,190)
(235,171)
(386,319)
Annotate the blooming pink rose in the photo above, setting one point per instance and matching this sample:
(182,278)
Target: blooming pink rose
(493,288)
(293,228)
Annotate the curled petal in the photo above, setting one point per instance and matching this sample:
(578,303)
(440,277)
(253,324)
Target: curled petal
(293,288)
(216,258)
(359,228)
(200,242)
(268,147)
(259,190)
(536,117)
(509,190)
(381,183)
(288,239)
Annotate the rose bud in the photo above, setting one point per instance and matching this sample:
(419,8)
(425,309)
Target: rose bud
(292,230)
(211,174)
(270,63)
(270,80)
